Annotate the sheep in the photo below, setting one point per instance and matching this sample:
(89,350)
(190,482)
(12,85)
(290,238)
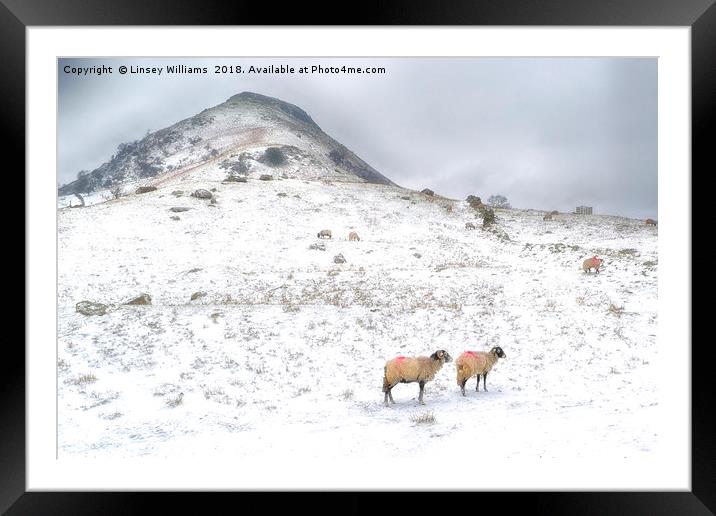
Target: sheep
(353,236)
(471,363)
(592,263)
(650,222)
(325,233)
(547,217)
(469,225)
(420,369)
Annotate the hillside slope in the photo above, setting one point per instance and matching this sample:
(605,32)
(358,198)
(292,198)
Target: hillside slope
(283,350)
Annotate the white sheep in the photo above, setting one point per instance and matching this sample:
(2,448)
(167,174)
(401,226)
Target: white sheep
(592,263)
(472,363)
(412,369)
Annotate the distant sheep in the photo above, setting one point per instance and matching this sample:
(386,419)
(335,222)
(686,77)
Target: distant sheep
(325,233)
(476,363)
(592,263)
(353,236)
(412,369)
(547,217)
(469,225)
(650,222)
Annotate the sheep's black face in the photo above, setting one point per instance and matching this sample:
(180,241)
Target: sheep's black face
(442,355)
(497,350)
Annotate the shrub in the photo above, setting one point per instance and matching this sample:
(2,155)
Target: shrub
(426,418)
(488,216)
(274,157)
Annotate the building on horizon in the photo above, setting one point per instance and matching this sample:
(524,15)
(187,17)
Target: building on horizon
(584,210)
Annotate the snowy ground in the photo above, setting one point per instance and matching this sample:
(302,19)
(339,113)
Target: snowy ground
(285,352)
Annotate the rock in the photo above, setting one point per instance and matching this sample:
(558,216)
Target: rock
(318,246)
(235,179)
(554,212)
(469,225)
(213,189)
(339,258)
(90,308)
(142,299)
(427,191)
(266,177)
(145,189)
(202,194)
(405,197)
(197,295)
(175,217)
(417,255)
(281,194)
(179,209)
(213,200)
(177,193)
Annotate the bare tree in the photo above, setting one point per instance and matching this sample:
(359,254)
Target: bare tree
(81,200)
(498,201)
(117,191)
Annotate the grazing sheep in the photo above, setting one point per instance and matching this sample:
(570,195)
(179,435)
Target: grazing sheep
(353,236)
(547,217)
(592,263)
(469,225)
(412,369)
(325,233)
(471,363)
(650,222)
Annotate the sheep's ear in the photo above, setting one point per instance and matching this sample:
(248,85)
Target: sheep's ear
(441,354)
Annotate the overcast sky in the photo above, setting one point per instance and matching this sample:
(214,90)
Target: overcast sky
(548,133)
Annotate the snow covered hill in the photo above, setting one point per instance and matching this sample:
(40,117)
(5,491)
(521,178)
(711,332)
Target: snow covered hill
(282,349)
(233,135)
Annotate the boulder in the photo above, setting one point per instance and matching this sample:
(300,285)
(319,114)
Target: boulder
(202,194)
(145,189)
(90,308)
(142,299)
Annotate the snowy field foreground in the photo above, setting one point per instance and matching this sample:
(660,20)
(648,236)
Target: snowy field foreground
(284,353)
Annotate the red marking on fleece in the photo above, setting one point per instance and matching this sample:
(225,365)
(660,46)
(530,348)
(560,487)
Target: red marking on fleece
(470,353)
(400,359)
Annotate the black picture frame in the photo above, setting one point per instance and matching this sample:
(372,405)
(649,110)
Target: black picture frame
(699,15)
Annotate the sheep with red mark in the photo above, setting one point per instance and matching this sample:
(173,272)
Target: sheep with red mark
(420,369)
(592,263)
(476,363)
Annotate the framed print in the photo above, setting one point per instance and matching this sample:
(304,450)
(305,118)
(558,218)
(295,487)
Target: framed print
(292,258)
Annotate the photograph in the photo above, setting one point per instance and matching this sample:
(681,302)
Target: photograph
(327,258)
(436,251)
